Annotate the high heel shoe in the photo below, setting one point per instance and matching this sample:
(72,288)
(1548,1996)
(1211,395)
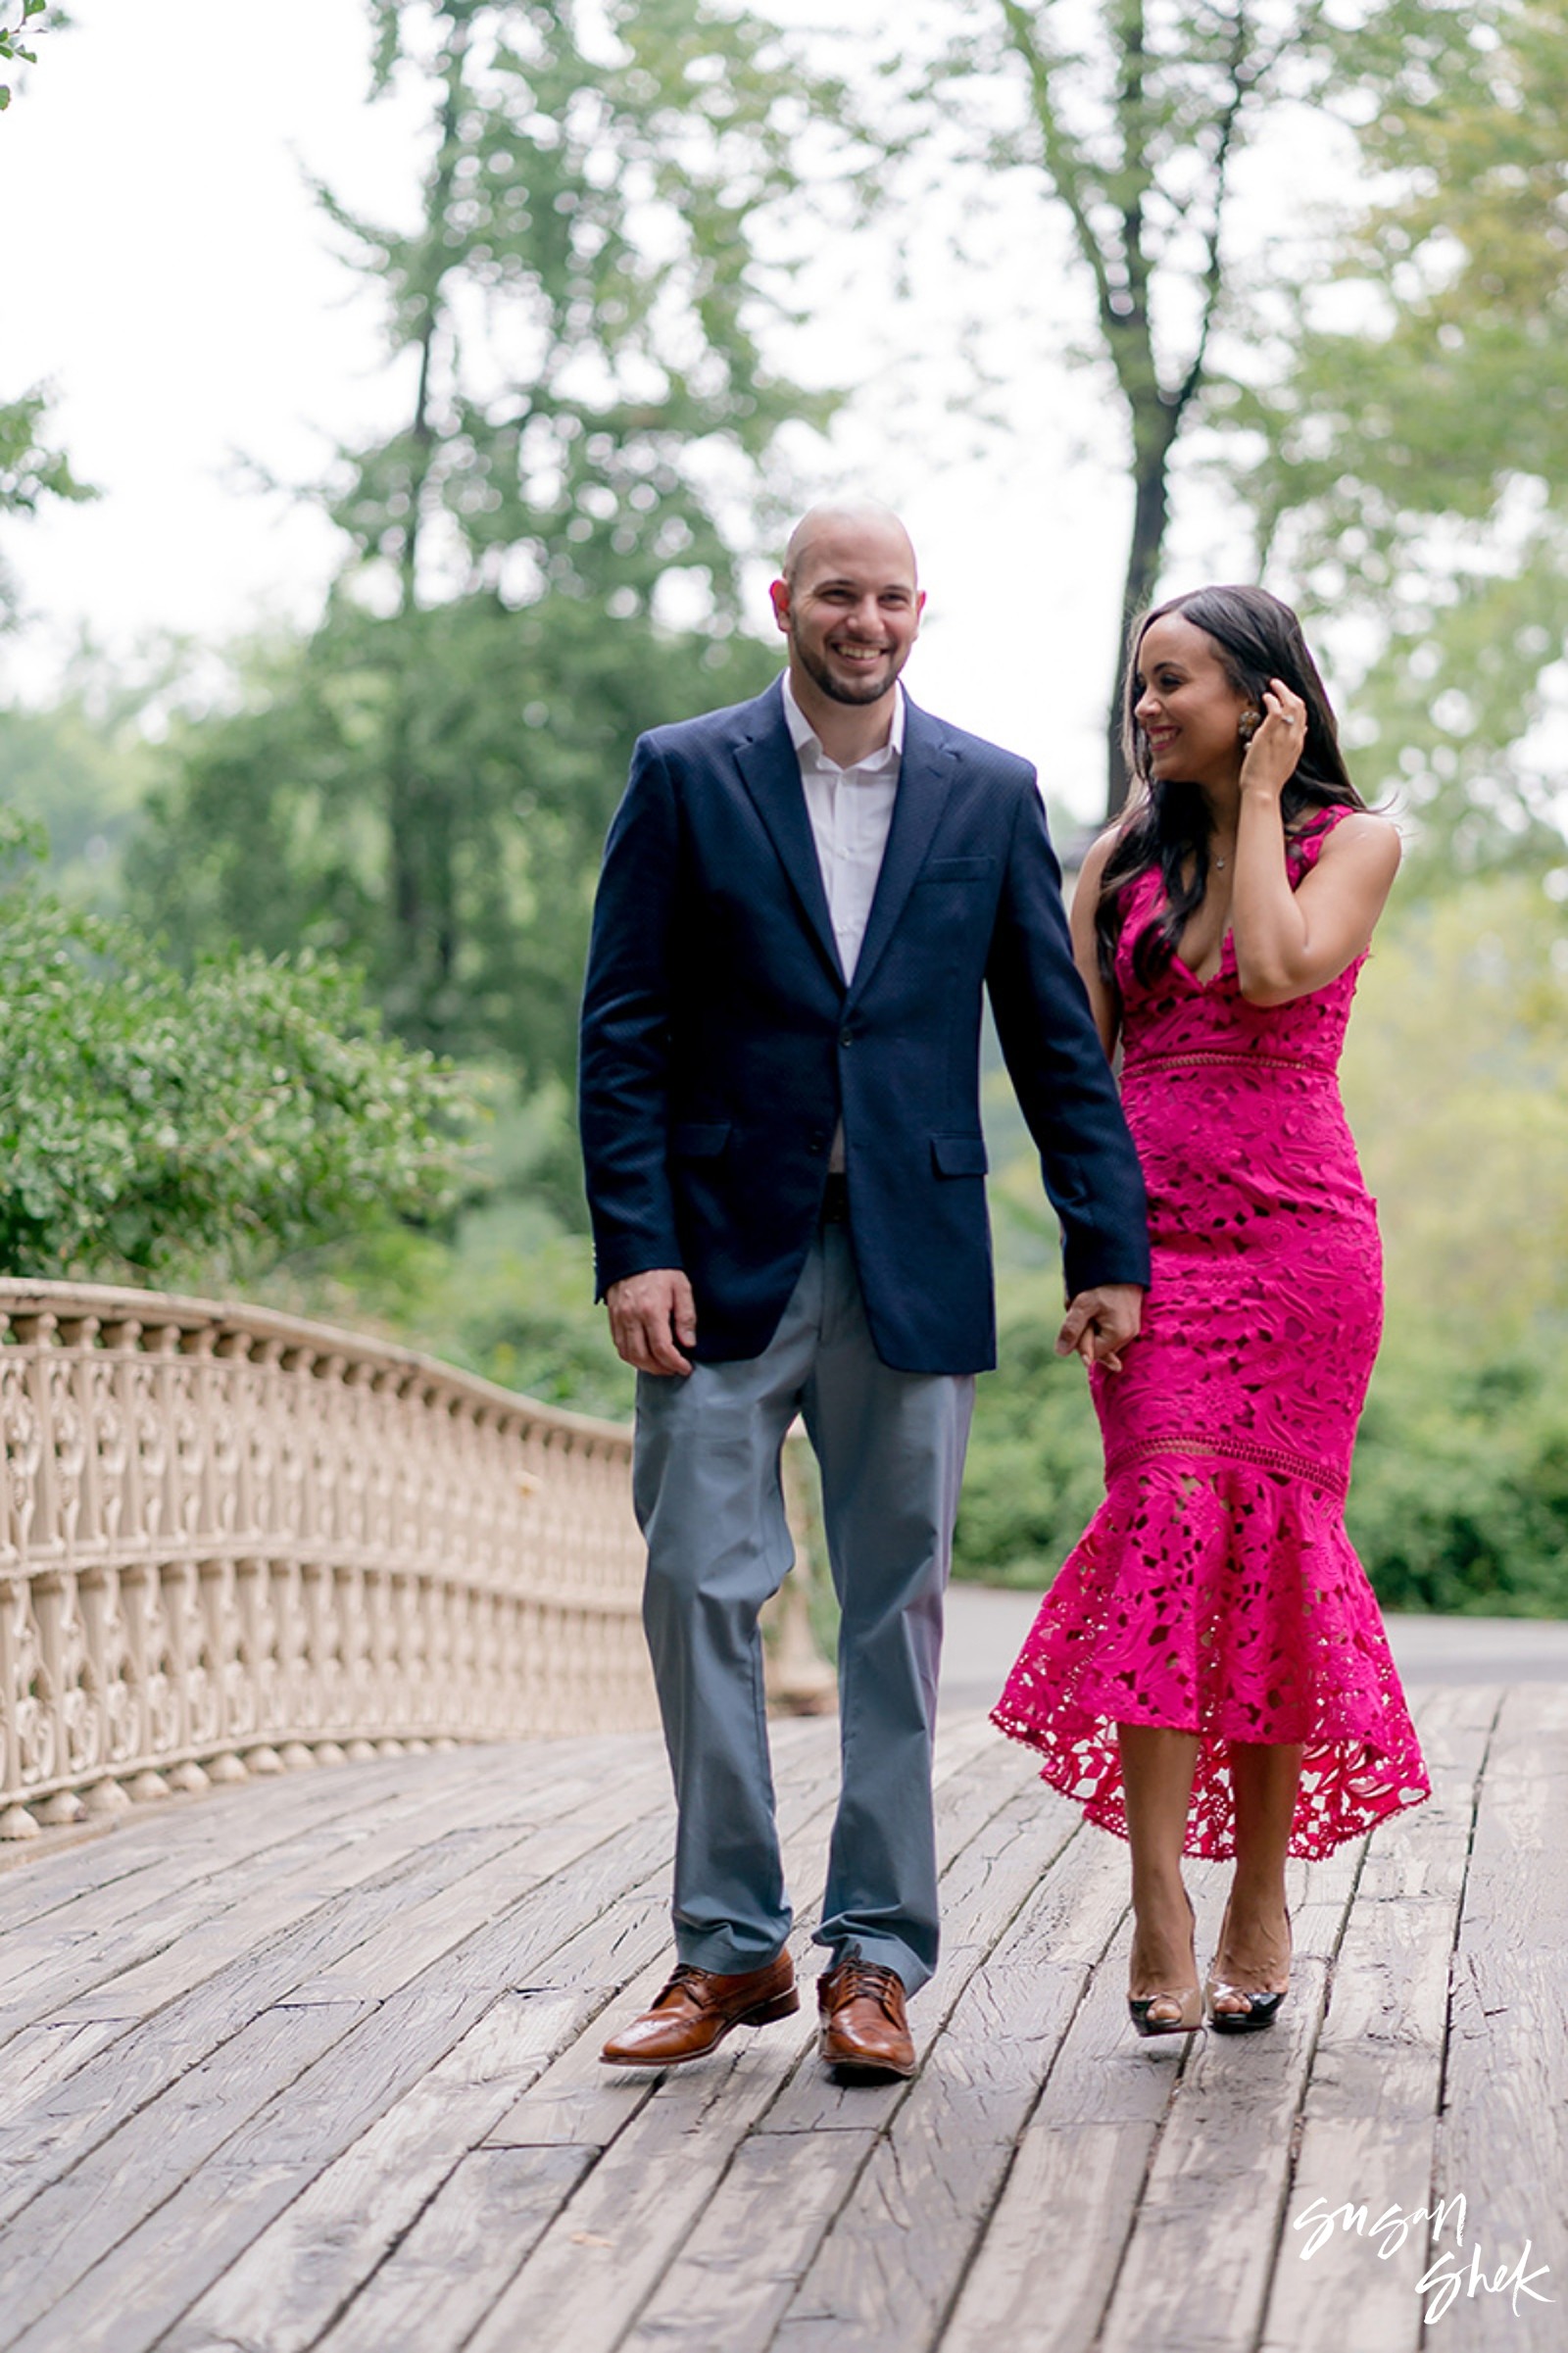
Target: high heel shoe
(1189,2004)
(1189,2019)
(1262,2007)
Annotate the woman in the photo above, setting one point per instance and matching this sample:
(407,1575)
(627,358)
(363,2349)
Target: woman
(1209,1674)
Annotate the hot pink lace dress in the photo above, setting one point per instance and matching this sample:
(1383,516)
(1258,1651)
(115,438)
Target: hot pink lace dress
(1215,1591)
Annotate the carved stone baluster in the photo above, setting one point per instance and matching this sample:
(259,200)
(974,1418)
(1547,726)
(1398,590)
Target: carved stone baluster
(35,1338)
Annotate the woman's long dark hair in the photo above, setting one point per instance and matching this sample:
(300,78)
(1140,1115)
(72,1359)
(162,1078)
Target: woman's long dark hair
(1257,638)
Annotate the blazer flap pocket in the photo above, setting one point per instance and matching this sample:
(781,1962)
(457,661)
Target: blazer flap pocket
(955,870)
(700,1139)
(960,1155)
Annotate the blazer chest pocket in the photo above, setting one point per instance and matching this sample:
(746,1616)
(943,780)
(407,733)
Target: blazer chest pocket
(960,1155)
(700,1139)
(955,870)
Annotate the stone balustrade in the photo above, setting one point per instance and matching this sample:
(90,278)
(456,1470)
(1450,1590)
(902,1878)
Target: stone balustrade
(234,1542)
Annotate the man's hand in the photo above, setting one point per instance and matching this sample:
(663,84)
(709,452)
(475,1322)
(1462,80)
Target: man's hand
(1100,1323)
(648,1314)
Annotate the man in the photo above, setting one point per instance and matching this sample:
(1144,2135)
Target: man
(803,900)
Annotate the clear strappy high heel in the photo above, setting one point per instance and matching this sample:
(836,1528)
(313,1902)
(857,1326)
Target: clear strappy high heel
(1186,2003)
(1262,2004)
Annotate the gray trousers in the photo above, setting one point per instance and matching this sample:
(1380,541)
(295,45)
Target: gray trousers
(710,1501)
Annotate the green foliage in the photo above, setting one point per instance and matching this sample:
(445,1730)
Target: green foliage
(1130,120)
(157,1124)
(1457,1085)
(505,1291)
(82,765)
(1416,445)
(425,788)
(18,25)
(1460,1494)
(583,294)
(511,731)
(31,472)
(1035,1477)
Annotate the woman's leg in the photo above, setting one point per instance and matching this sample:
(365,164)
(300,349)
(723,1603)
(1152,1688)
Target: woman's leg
(1156,1771)
(1255,1946)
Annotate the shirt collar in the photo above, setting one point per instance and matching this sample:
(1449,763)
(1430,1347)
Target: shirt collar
(806,742)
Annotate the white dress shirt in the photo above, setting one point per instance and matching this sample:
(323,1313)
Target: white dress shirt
(851,810)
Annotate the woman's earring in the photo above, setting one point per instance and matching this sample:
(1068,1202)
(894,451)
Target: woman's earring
(1247,727)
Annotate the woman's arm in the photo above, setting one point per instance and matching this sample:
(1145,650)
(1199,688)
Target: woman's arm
(1289,942)
(1104,999)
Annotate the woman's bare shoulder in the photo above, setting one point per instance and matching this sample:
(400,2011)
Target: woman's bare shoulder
(1370,840)
(1098,856)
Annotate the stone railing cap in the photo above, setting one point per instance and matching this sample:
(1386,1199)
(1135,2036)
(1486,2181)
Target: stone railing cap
(114,1304)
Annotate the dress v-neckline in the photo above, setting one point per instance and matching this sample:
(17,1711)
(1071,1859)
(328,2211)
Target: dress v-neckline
(1203,985)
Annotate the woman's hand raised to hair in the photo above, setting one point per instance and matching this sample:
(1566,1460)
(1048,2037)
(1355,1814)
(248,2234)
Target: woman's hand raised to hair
(1276,748)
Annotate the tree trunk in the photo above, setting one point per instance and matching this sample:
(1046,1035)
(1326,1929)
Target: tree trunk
(422,905)
(1150,514)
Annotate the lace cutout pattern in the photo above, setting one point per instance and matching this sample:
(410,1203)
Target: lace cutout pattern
(1217,1590)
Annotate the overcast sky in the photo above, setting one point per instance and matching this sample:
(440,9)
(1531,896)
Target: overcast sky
(167,272)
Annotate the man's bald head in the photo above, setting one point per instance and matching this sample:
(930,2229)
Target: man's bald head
(849,602)
(826,532)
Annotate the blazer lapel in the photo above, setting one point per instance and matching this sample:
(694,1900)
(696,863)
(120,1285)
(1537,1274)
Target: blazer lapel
(924,777)
(772,768)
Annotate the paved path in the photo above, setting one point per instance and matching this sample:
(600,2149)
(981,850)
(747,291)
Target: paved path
(986,1626)
(311,2064)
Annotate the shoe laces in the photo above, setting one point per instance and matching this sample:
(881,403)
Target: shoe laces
(867,1981)
(683,1979)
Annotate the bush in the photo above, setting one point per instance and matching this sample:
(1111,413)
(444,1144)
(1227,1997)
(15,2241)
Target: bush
(1459,1500)
(156,1124)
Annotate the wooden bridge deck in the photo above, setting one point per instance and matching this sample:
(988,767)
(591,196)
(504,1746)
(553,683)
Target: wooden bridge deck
(312,2065)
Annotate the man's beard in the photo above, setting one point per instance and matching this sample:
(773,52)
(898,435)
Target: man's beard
(840,690)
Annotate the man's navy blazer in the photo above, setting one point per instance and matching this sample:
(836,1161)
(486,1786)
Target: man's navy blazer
(721,1044)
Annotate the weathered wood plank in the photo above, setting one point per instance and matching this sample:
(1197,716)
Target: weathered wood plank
(223,1825)
(1044,2272)
(739,2268)
(438,1888)
(672,2152)
(438,2285)
(80,2219)
(335,2234)
(993,1840)
(1369,2126)
(291,2280)
(434,2157)
(1503,2138)
(179,2248)
(889,2270)
(90,1947)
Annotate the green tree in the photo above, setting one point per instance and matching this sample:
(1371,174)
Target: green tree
(20,21)
(1415,466)
(277,826)
(576,318)
(1130,120)
(157,1123)
(31,472)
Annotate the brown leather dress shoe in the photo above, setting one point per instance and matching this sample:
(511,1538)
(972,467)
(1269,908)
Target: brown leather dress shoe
(862,2022)
(697,2009)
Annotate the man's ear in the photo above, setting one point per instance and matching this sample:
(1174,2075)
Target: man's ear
(779,592)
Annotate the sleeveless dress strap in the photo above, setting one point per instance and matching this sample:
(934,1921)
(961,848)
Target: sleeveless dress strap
(1303,849)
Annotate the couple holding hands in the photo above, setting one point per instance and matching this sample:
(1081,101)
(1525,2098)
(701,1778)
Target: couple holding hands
(805,901)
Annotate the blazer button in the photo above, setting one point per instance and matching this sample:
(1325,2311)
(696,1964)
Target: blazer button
(848,1038)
